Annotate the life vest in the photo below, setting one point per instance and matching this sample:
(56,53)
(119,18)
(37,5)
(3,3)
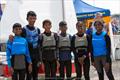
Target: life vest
(49,42)
(64,42)
(32,36)
(81,43)
(99,44)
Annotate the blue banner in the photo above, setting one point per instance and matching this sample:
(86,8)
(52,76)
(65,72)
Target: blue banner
(86,11)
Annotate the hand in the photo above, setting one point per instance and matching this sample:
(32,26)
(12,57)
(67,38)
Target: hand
(11,37)
(39,63)
(30,67)
(11,70)
(58,64)
(81,60)
(93,64)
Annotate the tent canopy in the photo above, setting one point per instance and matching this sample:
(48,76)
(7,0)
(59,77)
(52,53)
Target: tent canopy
(85,11)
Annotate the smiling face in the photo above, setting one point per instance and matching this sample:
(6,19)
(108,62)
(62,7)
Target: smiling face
(80,27)
(31,20)
(17,31)
(63,28)
(47,26)
(99,26)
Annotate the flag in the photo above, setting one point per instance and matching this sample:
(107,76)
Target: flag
(0,11)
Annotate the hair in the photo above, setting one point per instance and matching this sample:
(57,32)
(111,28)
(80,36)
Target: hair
(79,22)
(17,25)
(46,21)
(98,22)
(62,23)
(98,13)
(31,13)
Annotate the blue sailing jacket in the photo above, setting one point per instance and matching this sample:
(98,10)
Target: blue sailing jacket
(19,46)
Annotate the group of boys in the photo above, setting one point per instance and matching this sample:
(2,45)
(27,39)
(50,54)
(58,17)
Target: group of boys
(28,47)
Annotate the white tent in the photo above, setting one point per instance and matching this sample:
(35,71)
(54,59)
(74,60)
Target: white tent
(55,10)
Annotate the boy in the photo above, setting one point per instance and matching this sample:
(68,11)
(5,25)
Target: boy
(100,51)
(64,45)
(49,48)
(31,33)
(80,46)
(17,54)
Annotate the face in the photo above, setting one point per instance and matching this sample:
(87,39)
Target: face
(31,20)
(98,16)
(80,28)
(63,29)
(17,31)
(47,27)
(115,21)
(99,27)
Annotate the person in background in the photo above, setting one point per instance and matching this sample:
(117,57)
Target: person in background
(17,54)
(90,29)
(80,47)
(64,45)
(114,24)
(49,50)
(100,51)
(98,16)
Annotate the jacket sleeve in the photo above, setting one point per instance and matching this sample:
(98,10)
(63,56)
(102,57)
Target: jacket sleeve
(88,46)
(39,38)
(108,47)
(23,33)
(28,54)
(38,31)
(91,48)
(70,42)
(40,46)
(57,48)
(8,53)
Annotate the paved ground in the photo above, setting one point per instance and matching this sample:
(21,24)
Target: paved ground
(116,71)
(93,73)
(115,68)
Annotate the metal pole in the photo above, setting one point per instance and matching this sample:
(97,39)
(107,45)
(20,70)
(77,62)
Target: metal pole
(63,10)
